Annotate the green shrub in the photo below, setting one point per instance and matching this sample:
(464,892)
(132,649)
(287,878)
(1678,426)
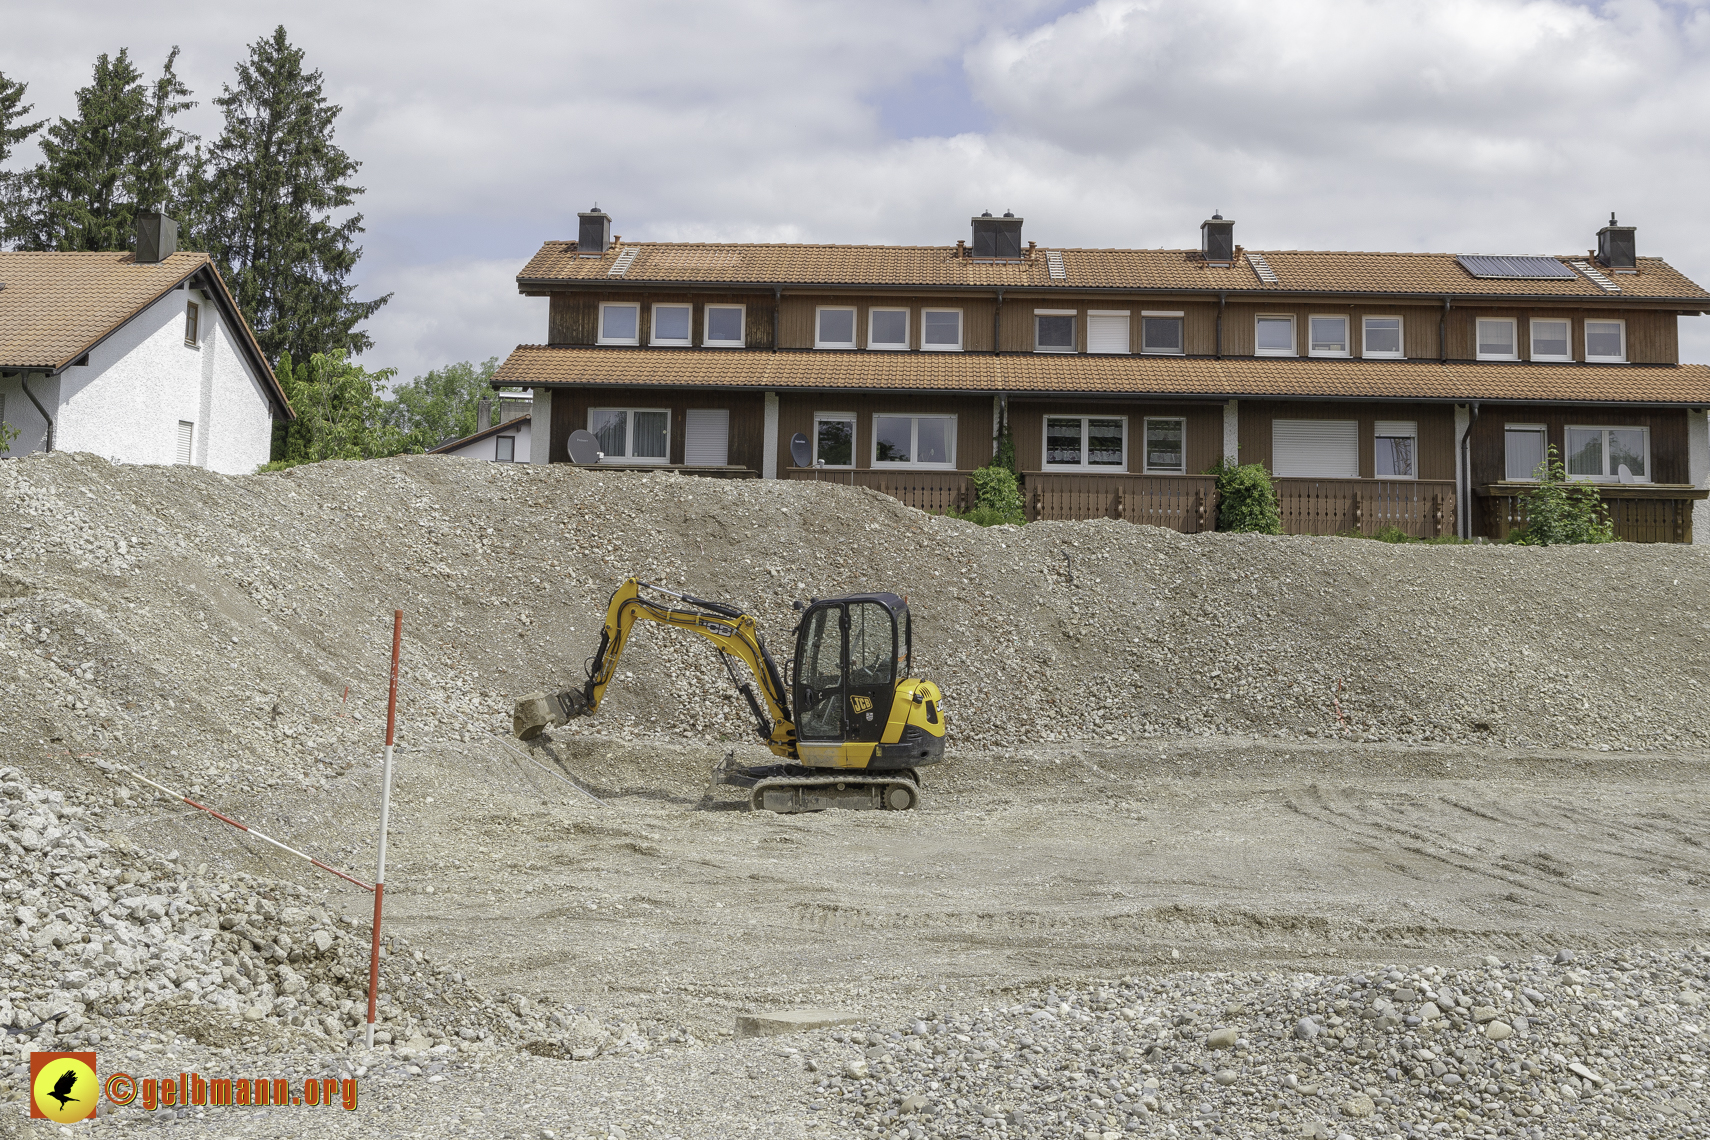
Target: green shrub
(8,436)
(1246,499)
(1389,532)
(997,499)
(1562,513)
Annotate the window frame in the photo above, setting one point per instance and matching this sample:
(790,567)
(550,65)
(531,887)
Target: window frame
(1128,316)
(1293,335)
(1045,463)
(1543,432)
(1400,352)
(1178,315)
(854,422)
(1585,341)
(653,337)
(741,322)
(1513,324)
(1075,335)
(1378,435)
(1145,455)
(602,338)
(961,330)
(908,328)
(1532,353)
(510,439)
(854,312)
(193,323)
(914,442)
(1347,335)
(1608,476)
(629,435)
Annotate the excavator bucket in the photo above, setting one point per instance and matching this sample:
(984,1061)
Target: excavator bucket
(537,712)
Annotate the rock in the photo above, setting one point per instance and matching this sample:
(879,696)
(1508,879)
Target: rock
(1306,1029)
(791,1021)
(1564,957)
(322,940)
(1691,998)
(1226,1077)
(1493,962)
(1359,1106)
(1585,1074)
(1429,1012)
(856,1070)
(1483,1013)
(1222,1039)
(1499,1031)
(913,1103)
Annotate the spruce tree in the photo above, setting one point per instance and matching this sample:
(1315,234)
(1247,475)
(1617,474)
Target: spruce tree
(12,132)
(263,203)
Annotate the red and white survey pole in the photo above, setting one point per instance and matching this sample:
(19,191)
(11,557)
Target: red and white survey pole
(385,808)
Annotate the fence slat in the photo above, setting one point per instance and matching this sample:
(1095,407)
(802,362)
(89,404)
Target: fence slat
(1419,508)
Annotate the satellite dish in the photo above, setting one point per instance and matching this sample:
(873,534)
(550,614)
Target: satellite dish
(800,451)
(1625,474)
(584,448)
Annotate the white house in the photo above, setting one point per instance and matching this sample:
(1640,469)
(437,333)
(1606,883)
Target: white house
(141,358)
(504,443)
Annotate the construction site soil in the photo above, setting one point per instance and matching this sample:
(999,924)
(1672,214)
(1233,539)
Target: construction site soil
(1186,774)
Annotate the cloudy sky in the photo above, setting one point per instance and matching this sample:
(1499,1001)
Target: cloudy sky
(1458,125)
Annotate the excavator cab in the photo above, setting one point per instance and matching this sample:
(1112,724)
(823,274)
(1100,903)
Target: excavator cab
(856,706)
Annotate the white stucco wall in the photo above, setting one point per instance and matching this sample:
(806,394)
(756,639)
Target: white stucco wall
(22,414)
(1698,470)
(488,448)
(542,415)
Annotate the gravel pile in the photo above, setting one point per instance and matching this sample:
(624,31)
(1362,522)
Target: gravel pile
(1612,1046)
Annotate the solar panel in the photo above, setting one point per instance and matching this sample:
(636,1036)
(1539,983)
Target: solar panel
(1514,268)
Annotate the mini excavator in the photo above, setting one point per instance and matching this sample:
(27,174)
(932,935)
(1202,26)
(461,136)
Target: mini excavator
(862,725)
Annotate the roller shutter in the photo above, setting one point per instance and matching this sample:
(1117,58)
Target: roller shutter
(1317,449)
(186,433)
(1107,332)
(706,437)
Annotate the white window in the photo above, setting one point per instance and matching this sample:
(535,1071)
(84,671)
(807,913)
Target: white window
(724,326)
(1107,330)
(1274,336)
(1606,342)
(1316,449)
(1617,454)
(1166,444)
(1054,330)
(941,330)
(1522,451)
(1328,336)
(186,436)
(632,435)
(914,441)
(834,328)
(671,324)
(619,324)
(1382,338)
(1086,443)
(505,449)
(1161,333)
(1496,338)
(834,439)
(192,323)
(1396,455)
(1550,340)
(887,329)
(706,437)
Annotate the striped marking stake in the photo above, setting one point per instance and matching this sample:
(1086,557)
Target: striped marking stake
(385,807)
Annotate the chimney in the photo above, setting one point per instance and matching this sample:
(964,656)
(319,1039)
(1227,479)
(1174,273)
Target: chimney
(483,414)
(595,236)
(1217,239)
(157,238)
(1615,245)
(998,238)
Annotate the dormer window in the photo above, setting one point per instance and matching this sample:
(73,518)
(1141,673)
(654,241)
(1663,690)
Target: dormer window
(1496,338)
(1054,330)
(1329,336)
(887,329)
(941,330)
(671,324)
(1274,336)
(1606,342)
(620,324)
(724,326)
(834,328)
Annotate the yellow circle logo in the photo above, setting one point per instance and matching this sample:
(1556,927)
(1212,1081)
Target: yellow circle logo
(65,1090)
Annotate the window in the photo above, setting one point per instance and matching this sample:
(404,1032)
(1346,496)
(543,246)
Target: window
(671,324)
(941,330)
(1606,342)
(1107,330)
(1054,330)
(1550,341)
(834,328)
(1316,449)
(505,449)
(619,324)
(1329,336)
(1613,453)
(1166,449)
(192,321)
(1496,339)
(706,437)
(1397,450)
(834,439)
(1161,332)
(1274,336)
(1087,443)
(914,441)
(1522,451)
(724,326)
(632,435)
(887,329)
(1382,338)
(186,436)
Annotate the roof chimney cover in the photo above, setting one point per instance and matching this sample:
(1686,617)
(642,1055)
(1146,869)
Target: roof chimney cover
(998,238)
(157,238)
(1217,238)
(1616,246)
(595,235)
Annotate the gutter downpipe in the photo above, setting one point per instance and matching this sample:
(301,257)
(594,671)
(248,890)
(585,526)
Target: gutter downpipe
(1466,469)
(1443,333)
(1222,299)
(24,383)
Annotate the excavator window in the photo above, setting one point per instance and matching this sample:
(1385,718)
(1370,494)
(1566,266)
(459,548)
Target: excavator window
(819,676)
(872,646)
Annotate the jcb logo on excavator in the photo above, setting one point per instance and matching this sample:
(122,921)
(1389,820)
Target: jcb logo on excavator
(861,704)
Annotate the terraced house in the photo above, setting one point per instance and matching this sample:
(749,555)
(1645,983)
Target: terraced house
(1416,390)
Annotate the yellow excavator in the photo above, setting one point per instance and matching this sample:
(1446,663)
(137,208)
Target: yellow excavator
(862,726)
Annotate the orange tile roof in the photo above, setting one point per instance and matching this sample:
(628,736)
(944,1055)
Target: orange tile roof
(537,365)
(1172,270)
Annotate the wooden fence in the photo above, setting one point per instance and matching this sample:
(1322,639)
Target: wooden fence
(1420,508)
(1640,512)
(931,491)
(1187,503)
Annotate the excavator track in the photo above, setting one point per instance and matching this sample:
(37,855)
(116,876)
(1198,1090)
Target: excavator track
(857,791)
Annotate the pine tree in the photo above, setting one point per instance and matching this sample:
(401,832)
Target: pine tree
(263,203)
(12,132)
(121,155)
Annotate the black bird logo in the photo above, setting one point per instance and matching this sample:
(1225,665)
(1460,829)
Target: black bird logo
(62,1087)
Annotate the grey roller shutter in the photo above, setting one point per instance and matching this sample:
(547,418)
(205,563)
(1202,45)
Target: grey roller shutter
(1318,449)
(706,437)
(186,432)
